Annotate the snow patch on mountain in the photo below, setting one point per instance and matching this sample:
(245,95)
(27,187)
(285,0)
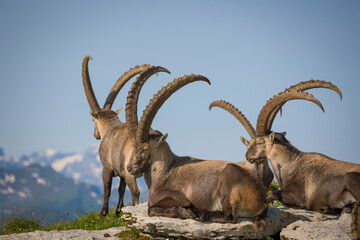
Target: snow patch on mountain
(35,175)
(49,153)
(41,181)
(21,194)
(8,190)
(8,178)
(59,165)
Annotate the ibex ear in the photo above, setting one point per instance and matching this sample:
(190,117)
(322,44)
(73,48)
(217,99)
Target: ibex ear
(244,141)
(283,133)
(161,139)
(118,111)
(272,137)
(94,115)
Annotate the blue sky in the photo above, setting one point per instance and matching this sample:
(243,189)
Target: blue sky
(250,51)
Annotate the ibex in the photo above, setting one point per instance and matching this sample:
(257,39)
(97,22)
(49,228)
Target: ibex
(115,147)
(187,187)
(307,180)
(262,169)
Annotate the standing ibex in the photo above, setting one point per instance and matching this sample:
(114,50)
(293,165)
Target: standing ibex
(262,169)
(307,180)
(115,147)
(186,187)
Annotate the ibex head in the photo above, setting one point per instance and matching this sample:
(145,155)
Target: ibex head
(101,116)
(141,158)
(146,143)
(261,144)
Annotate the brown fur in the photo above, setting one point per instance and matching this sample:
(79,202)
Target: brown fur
(355,224)
(114,152)
(213,190)
(262,169)
(307,180)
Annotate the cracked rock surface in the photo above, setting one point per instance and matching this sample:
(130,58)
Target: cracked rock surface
(107,234)
(293,224)
(277,219)
(329,230)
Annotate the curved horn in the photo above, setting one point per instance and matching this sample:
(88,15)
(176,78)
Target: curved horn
(121,82)
(272,103)
(158,100)
(236,113)
(133,96)
(303,86)
(89,92)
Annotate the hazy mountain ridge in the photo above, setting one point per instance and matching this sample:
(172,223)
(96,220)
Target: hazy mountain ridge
(64,181)
(48,194)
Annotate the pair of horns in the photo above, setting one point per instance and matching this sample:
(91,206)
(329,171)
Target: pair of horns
(139,132)
(274,104)
(90,95)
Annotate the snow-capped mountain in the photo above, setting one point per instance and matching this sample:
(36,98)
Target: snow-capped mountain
(82,168)
(48,194)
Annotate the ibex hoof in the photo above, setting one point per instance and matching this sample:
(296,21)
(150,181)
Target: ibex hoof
(117,213)
(258,223)
(104,212)
(187,213)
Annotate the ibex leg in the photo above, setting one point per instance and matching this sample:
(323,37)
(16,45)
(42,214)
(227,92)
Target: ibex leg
(287,197)
(352,183)
(107,181)
(170,204)
(121,191)
(355,221)
(172,212)
(135,193)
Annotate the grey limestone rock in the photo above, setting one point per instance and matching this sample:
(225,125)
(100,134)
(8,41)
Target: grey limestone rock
(330,230)
(277,219)
(107,234)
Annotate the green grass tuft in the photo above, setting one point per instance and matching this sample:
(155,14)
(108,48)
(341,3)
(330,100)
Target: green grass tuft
(92,221)
(18,224)
(273,187)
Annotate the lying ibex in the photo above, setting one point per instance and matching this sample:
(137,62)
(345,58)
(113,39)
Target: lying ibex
(186,187)
(262,169)
(307,180)
(115,147)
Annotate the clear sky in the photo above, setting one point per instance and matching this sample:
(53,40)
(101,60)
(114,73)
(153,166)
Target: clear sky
(250,51)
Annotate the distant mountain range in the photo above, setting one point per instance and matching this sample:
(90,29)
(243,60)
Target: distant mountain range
(50,183)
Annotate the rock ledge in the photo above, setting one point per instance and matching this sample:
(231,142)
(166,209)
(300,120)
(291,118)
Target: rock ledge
(277,219)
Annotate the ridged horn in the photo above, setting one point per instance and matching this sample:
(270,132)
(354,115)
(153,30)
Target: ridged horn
(121,82)
(89,92)
(303,86)
(236,113)
(272,103)
(133,96)
(158,100)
